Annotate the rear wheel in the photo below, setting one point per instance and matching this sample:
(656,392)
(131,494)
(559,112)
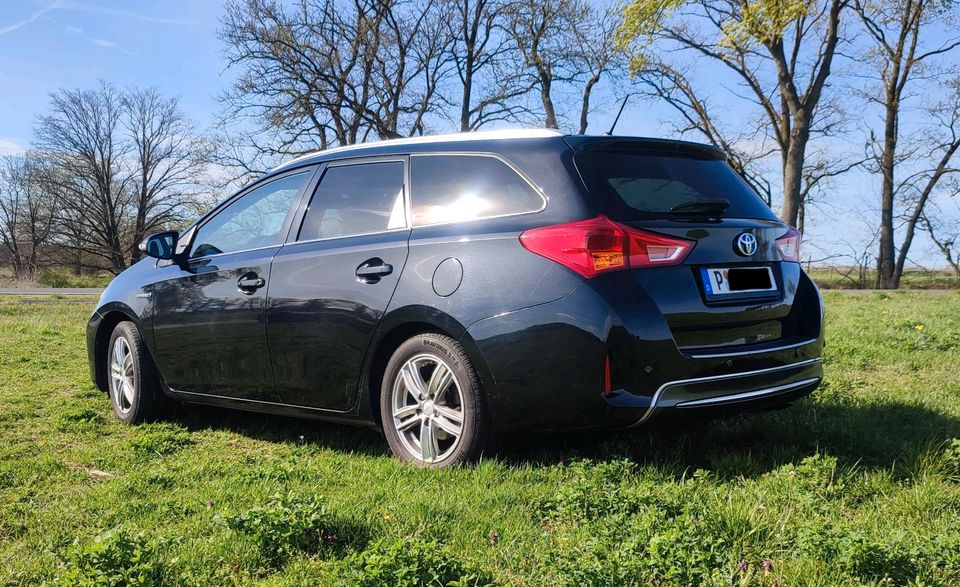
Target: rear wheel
(432,408)
(133,383)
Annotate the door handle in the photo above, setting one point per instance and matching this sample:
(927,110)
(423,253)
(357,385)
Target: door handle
(250,283)
(372,270)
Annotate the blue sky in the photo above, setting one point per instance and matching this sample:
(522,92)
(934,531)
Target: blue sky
(173,44)
(47,44)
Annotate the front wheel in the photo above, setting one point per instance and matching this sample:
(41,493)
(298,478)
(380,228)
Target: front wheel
(432,407)
(133,383)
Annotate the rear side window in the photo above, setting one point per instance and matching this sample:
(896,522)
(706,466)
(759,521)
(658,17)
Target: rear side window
(356,199)
(638,185)
(453,188)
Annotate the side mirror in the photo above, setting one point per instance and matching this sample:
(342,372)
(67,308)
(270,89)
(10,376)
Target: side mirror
(161,246)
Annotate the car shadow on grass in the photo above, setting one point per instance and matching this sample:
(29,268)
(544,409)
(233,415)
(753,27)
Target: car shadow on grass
(888,436)
(283,429)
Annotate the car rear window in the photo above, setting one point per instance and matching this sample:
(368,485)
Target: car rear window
(639,185)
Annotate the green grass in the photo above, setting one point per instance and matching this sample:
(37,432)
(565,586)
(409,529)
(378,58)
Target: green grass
(851,278)
(56,277)
(61,278)
(858,485)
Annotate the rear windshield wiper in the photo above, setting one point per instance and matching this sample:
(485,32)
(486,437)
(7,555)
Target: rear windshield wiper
(713,207)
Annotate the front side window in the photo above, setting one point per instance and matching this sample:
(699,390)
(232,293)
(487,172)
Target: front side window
(253,221)
(354,199)
(453,188)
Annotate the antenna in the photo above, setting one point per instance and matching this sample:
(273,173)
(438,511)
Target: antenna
(617,119)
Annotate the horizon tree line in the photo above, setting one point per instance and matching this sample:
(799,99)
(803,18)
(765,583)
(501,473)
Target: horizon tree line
(109,166)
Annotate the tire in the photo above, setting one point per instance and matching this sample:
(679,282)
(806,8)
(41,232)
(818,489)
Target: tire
(133,386)
(428,385)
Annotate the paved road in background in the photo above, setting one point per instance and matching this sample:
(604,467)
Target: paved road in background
(45,291)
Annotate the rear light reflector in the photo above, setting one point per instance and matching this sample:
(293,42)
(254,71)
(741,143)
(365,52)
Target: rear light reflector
(789,246)
(598,245)
(607,379)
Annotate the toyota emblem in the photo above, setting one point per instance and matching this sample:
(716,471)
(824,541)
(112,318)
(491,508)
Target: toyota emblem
(746,244)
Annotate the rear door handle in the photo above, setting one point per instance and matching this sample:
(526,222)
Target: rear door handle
(250,283)
(373,269)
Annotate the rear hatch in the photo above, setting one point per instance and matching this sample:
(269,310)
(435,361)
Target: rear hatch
(733,288)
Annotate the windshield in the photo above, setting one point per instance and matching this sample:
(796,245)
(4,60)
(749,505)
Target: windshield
(639,185)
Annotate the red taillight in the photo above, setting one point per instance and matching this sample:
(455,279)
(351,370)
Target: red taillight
(789,246)
(599,244)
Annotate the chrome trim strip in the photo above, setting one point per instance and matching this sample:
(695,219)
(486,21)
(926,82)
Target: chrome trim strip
(669,384)
(708,355)
(745,395)
(335,238)
(215,255)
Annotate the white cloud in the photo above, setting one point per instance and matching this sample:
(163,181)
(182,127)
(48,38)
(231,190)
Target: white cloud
(10,147)
(106,44)
(107,11)
(31,18)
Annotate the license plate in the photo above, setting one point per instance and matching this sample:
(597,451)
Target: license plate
(720,281)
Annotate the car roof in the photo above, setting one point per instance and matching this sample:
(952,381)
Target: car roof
(487,140)
(396,145)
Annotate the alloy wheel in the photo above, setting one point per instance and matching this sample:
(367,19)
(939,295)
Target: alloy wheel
(122,375)
(427,405)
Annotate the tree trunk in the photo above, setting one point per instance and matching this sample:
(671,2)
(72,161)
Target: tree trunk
(550,116)
(801,213)
(793,171)
(465,103)
(585,103)
(887,277)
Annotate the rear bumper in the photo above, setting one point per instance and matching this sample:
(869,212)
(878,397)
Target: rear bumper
(547,362)
(759,388)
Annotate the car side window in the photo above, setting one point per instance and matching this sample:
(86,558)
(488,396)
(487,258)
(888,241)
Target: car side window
(453,188)
(253,221)
(354,199)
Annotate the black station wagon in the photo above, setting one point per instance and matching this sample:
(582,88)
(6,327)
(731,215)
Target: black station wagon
(447,289)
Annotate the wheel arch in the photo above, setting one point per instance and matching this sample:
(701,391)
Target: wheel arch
(397,328)
(111,316)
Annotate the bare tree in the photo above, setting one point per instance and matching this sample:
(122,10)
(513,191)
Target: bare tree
(566,48)
(168,163)
(491,83)
(26,212)
(330,72)
(596,55)
(945,237)
(661,81)
(538,29)
(901,59)
(794,39)
(121,164)
(81,136)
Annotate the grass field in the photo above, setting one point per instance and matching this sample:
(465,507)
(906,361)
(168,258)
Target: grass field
(56,277)
(851,278)
(858,485)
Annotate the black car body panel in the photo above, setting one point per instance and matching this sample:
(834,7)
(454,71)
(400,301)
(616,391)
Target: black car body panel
(545,341)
